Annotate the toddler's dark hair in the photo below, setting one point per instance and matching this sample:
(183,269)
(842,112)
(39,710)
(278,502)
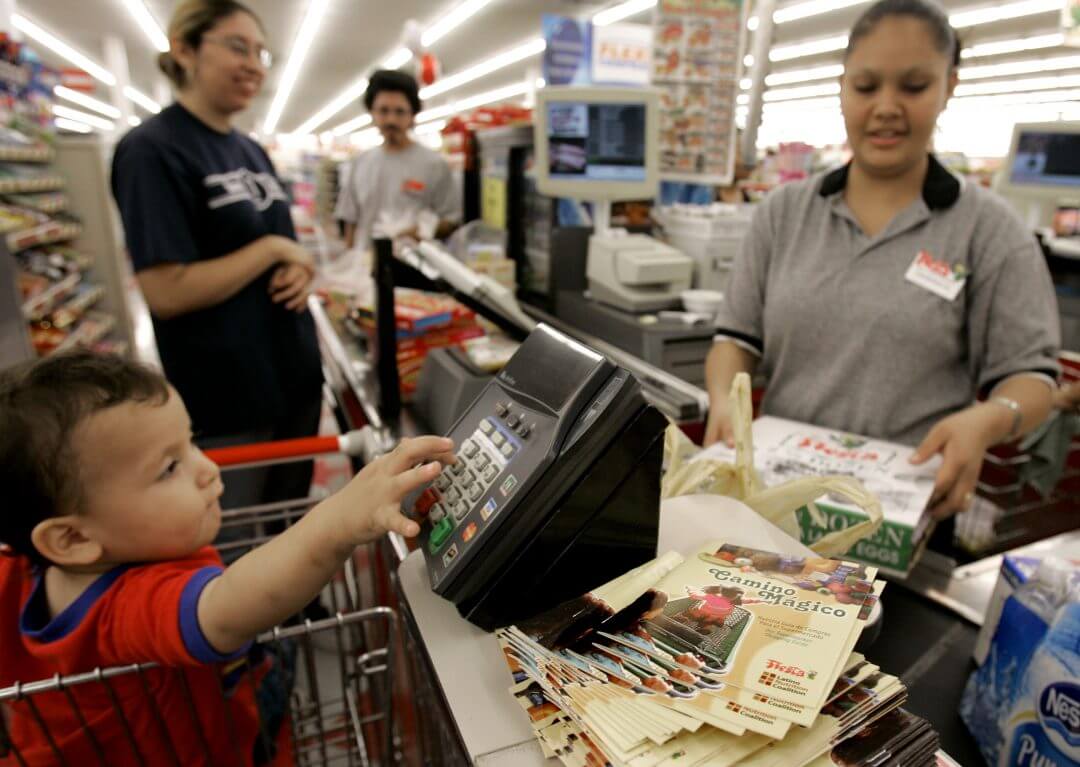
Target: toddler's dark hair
(41,404)
(931,13)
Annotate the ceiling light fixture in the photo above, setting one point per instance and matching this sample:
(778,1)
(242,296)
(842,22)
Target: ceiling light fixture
(300,47)
(72,125)
(809,48)
(803,92)
(476,71)
(792,76)
(134,121)
(342,100)
(1013,45)
(812,8)
(451,21)
(1017,86)
(398,59)
(148,24)
(142,99)
(62,49)
(83,117)
(352,125)
(990,14)
(1026,67)
(621,11)
(87,102)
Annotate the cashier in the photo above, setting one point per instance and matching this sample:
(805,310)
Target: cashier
(400,178)
(884,297)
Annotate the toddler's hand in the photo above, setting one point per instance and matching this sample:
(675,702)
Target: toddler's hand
(371,503)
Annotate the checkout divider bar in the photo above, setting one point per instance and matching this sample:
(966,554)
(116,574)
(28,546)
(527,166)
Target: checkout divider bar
(677,399)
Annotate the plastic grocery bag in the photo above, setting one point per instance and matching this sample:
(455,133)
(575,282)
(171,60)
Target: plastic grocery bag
(1023,704)
(740,480)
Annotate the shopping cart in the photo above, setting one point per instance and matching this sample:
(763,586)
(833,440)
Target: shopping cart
(335,673)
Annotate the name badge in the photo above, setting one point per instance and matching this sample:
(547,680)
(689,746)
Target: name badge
(940,278)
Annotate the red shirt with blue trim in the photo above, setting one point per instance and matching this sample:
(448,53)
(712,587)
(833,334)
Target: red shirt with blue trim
(132,614)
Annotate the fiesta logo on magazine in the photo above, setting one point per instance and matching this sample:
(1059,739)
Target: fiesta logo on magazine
(779,666)
(1059,710)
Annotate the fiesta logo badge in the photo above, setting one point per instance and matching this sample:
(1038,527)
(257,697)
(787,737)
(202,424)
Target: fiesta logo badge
(1059,711)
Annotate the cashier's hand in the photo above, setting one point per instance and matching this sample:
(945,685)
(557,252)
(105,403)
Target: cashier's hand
(290,285)
(962,439)
(718,426)
(370,505)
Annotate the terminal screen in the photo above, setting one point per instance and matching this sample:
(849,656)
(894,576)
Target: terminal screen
(1046,159)
(596,142)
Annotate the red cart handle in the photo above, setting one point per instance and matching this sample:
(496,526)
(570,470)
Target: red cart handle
(351,443)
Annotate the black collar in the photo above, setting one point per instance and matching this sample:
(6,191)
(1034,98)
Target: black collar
(941,189)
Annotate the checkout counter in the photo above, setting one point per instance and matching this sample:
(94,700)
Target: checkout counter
(461,709)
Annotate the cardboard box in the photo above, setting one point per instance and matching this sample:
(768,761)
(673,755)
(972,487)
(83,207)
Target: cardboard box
(785,450)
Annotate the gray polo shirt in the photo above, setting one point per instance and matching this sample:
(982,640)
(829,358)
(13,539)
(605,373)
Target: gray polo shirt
(402,182)
(847,342)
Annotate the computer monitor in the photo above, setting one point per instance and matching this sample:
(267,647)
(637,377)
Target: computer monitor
(1043,162)
(596,143)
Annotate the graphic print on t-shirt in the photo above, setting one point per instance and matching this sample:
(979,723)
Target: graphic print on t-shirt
(240,185)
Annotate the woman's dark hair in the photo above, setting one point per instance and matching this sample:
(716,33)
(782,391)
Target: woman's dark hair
(41,404)
(190,21)
(928,11)
(395,82)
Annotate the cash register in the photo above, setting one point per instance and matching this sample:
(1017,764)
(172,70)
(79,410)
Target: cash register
(556,488)
(600,145)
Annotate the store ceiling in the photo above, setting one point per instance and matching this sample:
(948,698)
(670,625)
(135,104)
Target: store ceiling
(356,35)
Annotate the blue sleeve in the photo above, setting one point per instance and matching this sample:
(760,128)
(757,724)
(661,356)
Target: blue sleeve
(194,639)
(157,203)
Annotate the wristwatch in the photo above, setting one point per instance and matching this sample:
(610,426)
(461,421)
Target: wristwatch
(1018,416)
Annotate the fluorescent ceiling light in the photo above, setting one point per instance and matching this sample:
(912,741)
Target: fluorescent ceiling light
(974,16)
(83,117)
(809,48)
(1017,86)
(746,84)
(451,21)
(621,11)
(342,100)
(142,99)
(1029,66)
(752,23)
(804,92)
(742,99)
(62,49)
(432,127)
(792,76)
(1036,97)
(748,60)
(87,102)
(816,104)
(148,24)
(134,121)
(72,125)
(480,99)
(812,8)
(1013,45)
(499,61)
(300,47)
(398,59)
(352,125)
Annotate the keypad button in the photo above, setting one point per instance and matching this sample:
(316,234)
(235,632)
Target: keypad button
(482,461)
(437,513)
(486,426)
(513,421)
(508,450)
(501,409)
(460,510)
(453,495)
(490,473)
(440,533)
(498,438)
(458,467)
(525,430)
(442,482)
(467,480)
(471,449)
(475,492)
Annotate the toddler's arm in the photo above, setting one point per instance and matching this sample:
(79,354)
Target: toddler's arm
(277,579)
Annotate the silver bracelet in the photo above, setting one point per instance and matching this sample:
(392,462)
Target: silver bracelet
(1018,416)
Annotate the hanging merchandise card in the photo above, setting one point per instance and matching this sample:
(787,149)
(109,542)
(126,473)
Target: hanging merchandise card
(697,58)
(779,626)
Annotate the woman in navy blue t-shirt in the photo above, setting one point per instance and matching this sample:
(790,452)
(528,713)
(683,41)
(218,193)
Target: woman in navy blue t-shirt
(213,246)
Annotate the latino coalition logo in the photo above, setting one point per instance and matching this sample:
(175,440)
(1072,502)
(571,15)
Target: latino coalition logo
(1059,711)
(241,185)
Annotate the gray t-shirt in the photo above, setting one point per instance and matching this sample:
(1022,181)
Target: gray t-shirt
(405,181)
(847,342)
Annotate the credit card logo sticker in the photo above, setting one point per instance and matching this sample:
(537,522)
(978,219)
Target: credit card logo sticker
(488,509)
(450,555)
(508,485)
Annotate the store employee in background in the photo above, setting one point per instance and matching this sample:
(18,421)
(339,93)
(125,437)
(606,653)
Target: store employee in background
(881,298)
(400,176)
(210,236)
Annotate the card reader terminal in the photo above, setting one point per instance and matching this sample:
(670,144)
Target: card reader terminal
(548,429)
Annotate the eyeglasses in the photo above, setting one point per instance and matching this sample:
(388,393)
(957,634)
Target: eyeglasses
(244,49)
